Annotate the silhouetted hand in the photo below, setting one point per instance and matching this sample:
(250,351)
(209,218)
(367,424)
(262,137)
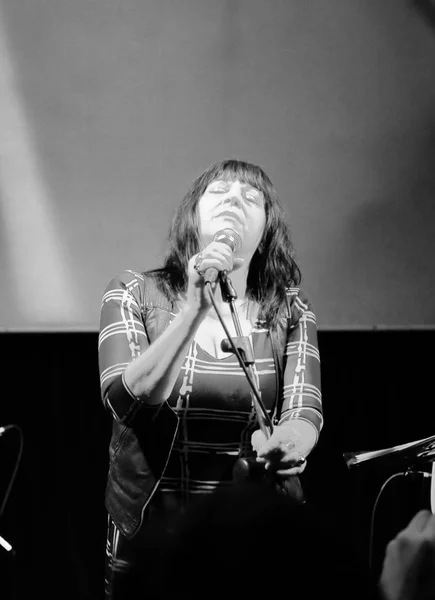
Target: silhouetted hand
(408,571)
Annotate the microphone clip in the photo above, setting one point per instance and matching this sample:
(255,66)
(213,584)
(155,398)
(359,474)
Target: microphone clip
(228,292)
(243,345)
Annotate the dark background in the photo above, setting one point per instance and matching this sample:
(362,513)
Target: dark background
(376,393)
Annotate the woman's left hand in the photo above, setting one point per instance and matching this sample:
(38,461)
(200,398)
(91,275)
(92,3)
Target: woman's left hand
(285,452)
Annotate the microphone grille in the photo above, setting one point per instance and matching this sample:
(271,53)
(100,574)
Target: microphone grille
(229,237)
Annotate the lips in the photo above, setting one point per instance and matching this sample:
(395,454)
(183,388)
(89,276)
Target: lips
(233,215)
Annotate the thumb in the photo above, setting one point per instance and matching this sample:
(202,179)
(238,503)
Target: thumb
(258,439)
(237,263)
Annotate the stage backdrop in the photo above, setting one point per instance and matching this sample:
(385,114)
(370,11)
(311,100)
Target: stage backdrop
(109,109)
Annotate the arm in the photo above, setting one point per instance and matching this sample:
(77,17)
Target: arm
(301,418)
(131,370)
(302,398)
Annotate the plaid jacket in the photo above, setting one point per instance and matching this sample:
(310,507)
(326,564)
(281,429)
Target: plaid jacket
(133,314)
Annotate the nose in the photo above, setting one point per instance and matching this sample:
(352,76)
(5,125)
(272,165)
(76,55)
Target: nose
(234,198)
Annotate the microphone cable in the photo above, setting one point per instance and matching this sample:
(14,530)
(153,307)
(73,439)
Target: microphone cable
(378,497)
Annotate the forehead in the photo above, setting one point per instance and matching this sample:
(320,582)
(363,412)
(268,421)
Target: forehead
(246,178)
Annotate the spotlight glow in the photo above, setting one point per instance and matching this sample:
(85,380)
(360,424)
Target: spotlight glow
(36,257)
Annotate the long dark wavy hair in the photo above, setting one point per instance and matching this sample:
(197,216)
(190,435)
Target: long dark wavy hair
(272,267)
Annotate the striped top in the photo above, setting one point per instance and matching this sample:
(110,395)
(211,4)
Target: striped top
(212,399)
(212,396)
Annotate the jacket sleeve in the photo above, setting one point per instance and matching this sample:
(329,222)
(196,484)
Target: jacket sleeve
(122,338)
(302,398)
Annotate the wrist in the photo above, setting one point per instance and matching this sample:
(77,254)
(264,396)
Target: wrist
(301,432)
(193,314)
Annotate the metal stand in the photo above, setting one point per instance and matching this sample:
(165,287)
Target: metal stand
(244,467)
(410,462)
(243,345)
(412,453)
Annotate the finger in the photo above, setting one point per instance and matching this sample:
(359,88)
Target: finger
(284,471)
(220,253)
(419,521)
(274,455)
(195,275)
(229,263)
(430,527)
(283,464)
(291,459)
(292,471)
(270,446)
(221,248)
(216,259)
(258,439)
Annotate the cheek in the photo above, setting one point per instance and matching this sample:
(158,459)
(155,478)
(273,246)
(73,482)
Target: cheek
(205,208)
(261,228)
(256,228)
(204,215)
(260,222)
(201,211)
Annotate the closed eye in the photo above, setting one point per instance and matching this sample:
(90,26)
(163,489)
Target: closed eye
(218,188)
(252,196)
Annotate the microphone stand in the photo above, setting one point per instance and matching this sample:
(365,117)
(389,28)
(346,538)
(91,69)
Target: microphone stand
(418,451)
(241,346)
(412,458)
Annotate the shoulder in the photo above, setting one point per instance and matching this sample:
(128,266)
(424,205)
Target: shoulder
(125,280)
(299,304)
(299,298)
(145,288)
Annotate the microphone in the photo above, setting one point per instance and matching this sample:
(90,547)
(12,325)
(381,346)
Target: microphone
(232,239)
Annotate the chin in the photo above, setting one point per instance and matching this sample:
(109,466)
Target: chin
(228,223)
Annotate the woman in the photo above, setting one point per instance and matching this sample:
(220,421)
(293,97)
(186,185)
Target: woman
(181,406)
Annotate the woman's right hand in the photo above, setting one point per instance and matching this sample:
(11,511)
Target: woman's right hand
(217,255)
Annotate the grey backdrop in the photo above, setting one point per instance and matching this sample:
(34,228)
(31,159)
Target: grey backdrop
(110,108)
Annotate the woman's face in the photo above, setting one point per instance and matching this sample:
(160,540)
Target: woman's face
(234,205)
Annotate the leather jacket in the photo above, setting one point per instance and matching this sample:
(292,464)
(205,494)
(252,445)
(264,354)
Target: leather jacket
(142,440)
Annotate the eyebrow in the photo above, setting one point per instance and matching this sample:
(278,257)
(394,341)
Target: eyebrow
(229,181)
(252,187)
